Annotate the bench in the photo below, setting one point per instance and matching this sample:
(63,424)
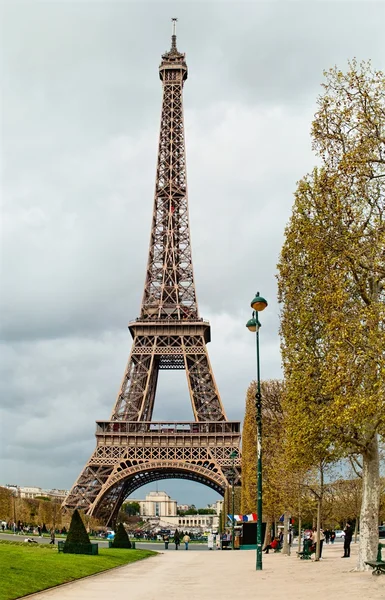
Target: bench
(377,565)
(306,552)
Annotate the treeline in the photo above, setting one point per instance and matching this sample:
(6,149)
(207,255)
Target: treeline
(331,285)
(334,490)
(32,512)
(283,487)
(36,512)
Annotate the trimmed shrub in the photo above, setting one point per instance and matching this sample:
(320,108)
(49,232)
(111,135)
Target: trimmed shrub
(121,539)
(77,534)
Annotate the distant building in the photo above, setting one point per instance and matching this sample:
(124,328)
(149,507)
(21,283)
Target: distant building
(201,522)
(198,523)
(32,491)
(12,488)
(159,507)
(55,494)
(217,506)
(157,504)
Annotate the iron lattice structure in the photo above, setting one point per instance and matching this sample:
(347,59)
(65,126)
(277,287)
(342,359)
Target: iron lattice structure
(169,334)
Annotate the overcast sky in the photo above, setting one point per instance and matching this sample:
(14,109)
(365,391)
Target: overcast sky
(80,115)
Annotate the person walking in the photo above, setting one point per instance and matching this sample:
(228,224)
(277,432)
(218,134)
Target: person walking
(348,531)
(327,535)
(280,539)
(332,536)
(186,540)
(52,536)
(166,540)
(289,541)
(176,539)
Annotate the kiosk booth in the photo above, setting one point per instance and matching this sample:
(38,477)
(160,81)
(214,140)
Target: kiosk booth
(248,537)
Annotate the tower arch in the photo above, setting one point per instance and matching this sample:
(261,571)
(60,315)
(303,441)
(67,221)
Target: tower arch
(126,479)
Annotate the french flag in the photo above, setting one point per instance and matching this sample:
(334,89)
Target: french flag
(235,518)
(251,517)
(243,518)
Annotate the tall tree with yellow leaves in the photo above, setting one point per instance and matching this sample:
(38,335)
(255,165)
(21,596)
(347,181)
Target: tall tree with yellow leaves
(6,504)
(332,285)
(249,457)
(275,472)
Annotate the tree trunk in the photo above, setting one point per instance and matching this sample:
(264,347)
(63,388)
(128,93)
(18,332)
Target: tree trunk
(299,532)
(370,505)
(286,548)
(267,539)
(319,510)
(299,520)
(318,545)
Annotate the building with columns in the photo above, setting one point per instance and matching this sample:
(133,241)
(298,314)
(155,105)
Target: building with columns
(202,522)
(157,504)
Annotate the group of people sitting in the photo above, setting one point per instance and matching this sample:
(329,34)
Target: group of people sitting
(323,535)
(274,545)
(277,542)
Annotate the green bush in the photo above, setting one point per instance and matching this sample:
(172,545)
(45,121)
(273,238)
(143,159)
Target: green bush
(77,534)
(121,539)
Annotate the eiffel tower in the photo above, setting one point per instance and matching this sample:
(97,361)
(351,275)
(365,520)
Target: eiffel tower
(131,449)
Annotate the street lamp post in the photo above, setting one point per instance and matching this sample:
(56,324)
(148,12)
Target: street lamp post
(258,304)
(233,456)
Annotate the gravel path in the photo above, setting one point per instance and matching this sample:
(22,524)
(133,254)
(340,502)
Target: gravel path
(228,575)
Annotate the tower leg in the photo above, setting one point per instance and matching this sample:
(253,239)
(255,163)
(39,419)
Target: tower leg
(137,393)
(205,398)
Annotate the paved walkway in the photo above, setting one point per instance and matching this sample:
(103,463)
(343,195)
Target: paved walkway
(227,575)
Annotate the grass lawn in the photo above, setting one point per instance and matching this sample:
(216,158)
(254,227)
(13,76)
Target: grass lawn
(27,568)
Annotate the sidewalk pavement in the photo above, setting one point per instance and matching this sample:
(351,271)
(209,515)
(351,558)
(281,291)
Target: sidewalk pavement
(228,575)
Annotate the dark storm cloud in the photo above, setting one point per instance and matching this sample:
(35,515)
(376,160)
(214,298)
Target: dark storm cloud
(80,119)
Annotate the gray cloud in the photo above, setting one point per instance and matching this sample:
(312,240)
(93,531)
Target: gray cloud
(80,118)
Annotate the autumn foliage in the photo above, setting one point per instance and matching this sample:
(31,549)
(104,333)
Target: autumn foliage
(275,471)
(331,285)
(249,454)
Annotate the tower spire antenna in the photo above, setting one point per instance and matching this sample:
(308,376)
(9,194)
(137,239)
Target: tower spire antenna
(173,36)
